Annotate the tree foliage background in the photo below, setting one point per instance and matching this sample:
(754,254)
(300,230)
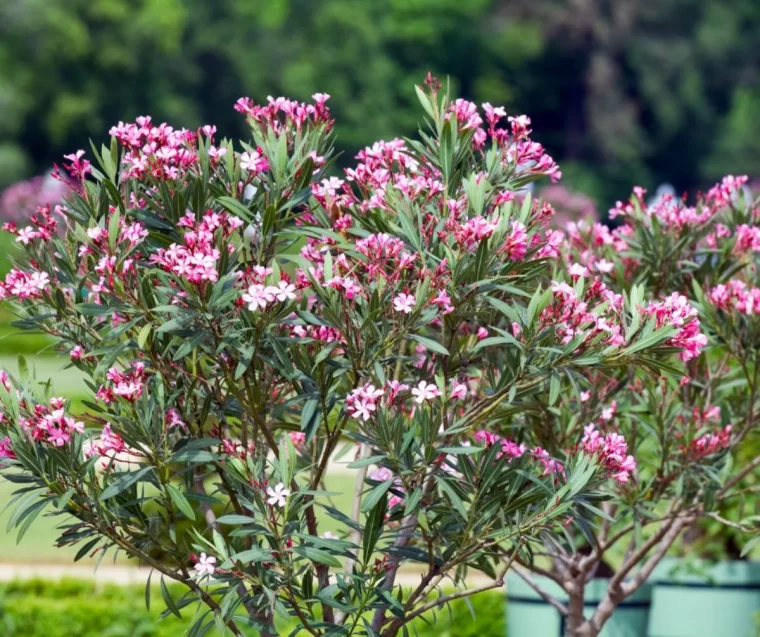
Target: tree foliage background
(622,92)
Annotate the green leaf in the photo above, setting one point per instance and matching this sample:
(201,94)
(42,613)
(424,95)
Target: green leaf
(318,555)
(554,387)
(113,228)
(374,495)
(235,207)
(455,500)
(168,600)
(180,501)
(374,528)
(461,450)
(252,555)
(236,520)
(147,590)
(430,344)
(142,337)
(309,413)
(124,481)
(498,340)
(23,369)
(365,462)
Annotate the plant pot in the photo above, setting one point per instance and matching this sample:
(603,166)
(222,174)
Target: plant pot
(530,616)
(720,599)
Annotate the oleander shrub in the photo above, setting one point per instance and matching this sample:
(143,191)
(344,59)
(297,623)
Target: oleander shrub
(507,391)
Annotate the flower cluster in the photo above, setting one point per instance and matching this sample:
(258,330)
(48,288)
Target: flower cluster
(509,448)
(362,402)
(6,449)
(196,260)
(108,444)
(260,296)
(611,452)
(161,152)
(736,295)
(43,229)
(50,424)
(597,313)
(127,385)
(23,285)
(281,114)
(676,311)
(708,444)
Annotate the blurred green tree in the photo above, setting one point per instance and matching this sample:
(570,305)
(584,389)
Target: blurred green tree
(622,91)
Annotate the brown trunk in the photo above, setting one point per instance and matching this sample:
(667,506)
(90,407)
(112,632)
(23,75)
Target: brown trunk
(576,624)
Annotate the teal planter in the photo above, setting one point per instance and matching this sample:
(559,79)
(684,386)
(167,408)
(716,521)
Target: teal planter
(724,600)
(530,616)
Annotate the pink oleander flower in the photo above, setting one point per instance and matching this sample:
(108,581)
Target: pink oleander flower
(24,285)
(708,444)
(258,297)
(443,301)
(516,245)
(6,449)
(362,401)
(381,474)
(133,233)
(78,168)
(127,385)
(278,496)
(298,438)
(174,418)
(108,445)
(473,231)
(486,437)
(27,235)
(511,449)
(425,392)
(458,390)
(611,451)
(205,566)
(254,162)
(393,388)
(404,303)
(550,465)
(676,310)
(736,295)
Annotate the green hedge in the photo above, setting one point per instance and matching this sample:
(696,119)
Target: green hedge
(76,608)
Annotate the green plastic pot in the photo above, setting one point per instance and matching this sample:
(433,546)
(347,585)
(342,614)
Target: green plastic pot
(721,599)
(530,616)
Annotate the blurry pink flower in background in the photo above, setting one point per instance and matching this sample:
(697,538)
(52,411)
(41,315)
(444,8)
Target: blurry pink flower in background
(19,201)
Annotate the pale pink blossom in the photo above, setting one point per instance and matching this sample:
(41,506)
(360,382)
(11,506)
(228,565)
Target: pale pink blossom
(404,303)
(278,495)
(425,392)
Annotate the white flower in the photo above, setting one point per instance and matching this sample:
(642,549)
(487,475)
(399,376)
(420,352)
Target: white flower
(205,566)
(258,297)
(283,291)
(25,235)
(425,391)
(327,535)
(278,495)
(404,303)
(578,270)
